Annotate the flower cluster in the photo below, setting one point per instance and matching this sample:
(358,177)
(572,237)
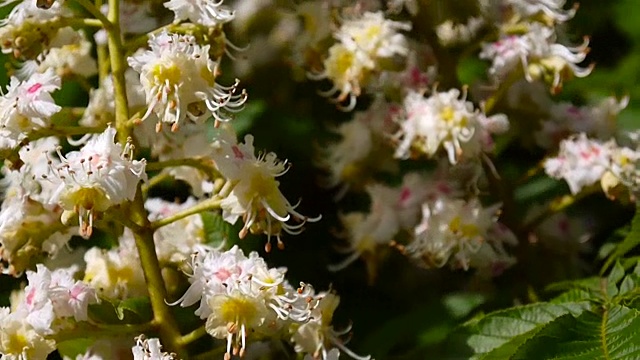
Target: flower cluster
(241,297)
(363,42)
(254,192)
(178,78)
(444,121)
(583,162)
(527,45)
(51,302)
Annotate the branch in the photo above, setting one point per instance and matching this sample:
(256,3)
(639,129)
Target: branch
(210,204)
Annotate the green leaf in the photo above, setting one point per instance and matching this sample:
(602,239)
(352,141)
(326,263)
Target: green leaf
(509,328)
(461,304)
(138,306)
(216,230)
(73,348)
(630,241)
(130,311)
(607,335)
(616,274)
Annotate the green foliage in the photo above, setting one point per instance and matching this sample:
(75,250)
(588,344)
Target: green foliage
(595,318)
(631,241)
(216,230)
(135,310)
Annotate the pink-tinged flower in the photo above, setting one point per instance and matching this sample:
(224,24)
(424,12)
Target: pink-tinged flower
(580,162)
(539,56)
(255,195)
(101,174)
(178,79)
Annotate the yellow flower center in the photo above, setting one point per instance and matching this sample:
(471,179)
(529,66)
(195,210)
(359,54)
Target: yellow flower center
(466,230)
(237,309)
(167,74)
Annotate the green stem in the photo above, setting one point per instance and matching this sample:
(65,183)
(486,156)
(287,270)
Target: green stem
(118,67)
(143,234)
(154,181)
(491,102)
(65,131)
(193,336)
(103,56)
(201,164)
(95,330)
(210,204)
(93,10)
(83,22)
(162,317)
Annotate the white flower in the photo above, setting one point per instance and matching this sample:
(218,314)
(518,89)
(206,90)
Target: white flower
(208,13)
(374,36)
(454,231)
(53,295)
(317,336)
(116,273)
(240,296)
(365,232)
(20,341)
(538,54)
(255,194)
(101,174)
(29,29)
(69,53)
(551,8)
(362,149)
(29,230)
(363,43)
(149,349)
(179,81)
(450,34)
(598,121)
(443,120)
(28,105)
(580,161)
(178,240)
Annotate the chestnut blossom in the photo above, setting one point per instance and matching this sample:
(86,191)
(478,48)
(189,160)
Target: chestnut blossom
(444,121)
(178,240)
(538,54)
(451,34)
(317,337)
(255,195)
(362,148)
(69,53)
(553,9)
(19,340)
(149,349)
(202,12)
(30,229)
(27,106)
(52,296)
(597,121)
(240,296)
(455,231)
(581,162)
(116,273)
(178,79)
(362,43)
(101,174)
(29,29)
